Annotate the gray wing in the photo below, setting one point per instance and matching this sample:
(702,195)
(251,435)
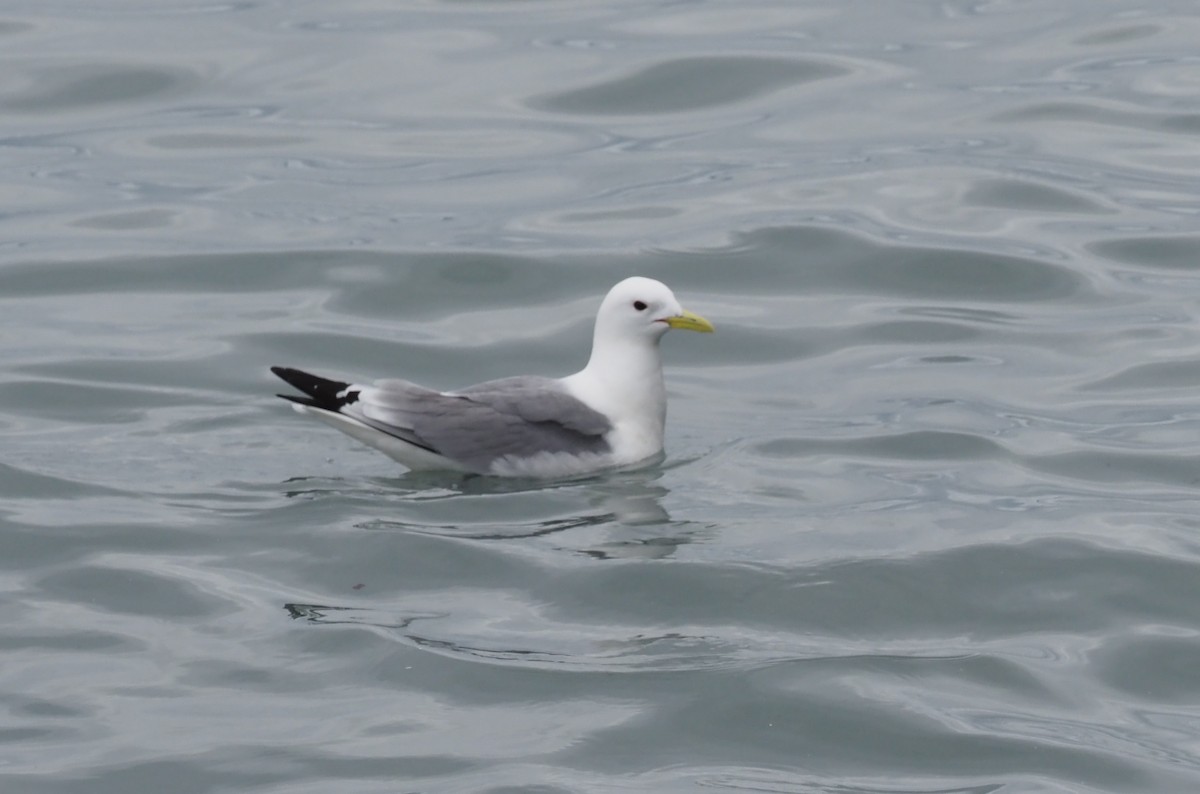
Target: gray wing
(517,417)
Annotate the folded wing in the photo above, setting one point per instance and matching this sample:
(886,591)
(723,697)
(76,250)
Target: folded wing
(512,418)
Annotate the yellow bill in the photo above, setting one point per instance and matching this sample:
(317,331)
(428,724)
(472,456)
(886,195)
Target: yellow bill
(690,321)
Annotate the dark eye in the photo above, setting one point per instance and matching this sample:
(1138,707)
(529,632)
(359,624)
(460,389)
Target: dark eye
(641,307)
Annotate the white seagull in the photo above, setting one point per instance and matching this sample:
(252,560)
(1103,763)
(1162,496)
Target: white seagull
(610,414)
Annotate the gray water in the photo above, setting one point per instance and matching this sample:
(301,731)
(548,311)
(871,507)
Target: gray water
(928,517)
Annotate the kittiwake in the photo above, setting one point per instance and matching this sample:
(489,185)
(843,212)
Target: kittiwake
(610,414)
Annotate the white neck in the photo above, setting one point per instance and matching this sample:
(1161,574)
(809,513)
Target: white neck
(623,379)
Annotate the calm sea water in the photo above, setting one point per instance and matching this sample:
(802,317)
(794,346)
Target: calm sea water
(928,520)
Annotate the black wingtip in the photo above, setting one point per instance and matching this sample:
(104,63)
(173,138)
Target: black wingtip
(293,376)
(319,392)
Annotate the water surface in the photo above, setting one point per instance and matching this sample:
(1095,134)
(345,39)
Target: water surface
(928,519)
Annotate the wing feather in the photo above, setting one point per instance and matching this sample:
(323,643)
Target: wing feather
(511,418)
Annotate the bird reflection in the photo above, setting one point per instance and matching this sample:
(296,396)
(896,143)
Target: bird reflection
(620,516)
